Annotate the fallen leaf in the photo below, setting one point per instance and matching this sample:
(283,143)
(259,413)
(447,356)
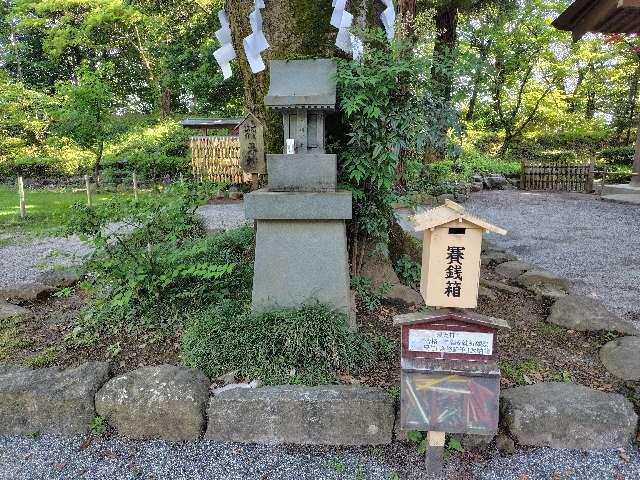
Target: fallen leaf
(623,455)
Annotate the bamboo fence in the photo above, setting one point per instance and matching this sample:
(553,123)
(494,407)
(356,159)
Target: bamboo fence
(557,176)
(216,159)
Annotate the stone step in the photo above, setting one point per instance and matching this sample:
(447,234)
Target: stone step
(265,205)
(326,415)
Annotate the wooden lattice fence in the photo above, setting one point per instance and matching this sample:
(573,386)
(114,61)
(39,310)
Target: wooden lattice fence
(216,159)
(557,176)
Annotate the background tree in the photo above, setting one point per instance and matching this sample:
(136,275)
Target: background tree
(86,112)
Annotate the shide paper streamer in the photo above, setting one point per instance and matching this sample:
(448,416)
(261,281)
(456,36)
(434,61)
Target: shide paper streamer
(256,43)
(388,17)
(225,53)
(342,20)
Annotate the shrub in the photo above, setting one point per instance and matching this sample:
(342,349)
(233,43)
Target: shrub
(409,271)
(156,263)
(310,344)
(617,156)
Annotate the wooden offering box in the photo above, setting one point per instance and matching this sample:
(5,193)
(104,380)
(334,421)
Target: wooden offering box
(450,381)
(451,255)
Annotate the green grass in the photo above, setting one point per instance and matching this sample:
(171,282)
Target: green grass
(11,339)
(47,210)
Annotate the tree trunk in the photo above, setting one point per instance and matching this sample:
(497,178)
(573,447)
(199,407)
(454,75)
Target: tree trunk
(407,14)
(446,23)
(635,179)
(477,82)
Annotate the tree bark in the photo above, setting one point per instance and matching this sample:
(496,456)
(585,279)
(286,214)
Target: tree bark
(635,179)
(446,23)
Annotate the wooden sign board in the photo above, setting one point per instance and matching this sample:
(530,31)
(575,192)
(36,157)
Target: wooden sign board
(451,265)
(449,335)
(252,158)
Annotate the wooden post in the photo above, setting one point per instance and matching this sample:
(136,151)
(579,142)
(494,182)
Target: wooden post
(23,210)
(135,186)
(87,184)
(434,458)
(255,178)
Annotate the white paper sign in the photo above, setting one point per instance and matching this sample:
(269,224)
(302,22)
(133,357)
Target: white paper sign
(445,341)
(291,146)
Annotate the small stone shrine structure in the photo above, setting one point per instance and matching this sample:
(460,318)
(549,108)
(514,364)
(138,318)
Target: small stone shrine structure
(301,242)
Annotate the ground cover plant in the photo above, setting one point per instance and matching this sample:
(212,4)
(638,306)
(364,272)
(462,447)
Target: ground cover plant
(151,261)
(310,344)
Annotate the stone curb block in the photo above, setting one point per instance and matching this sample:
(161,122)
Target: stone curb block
(49,400)
(163,401)
(561,415)
(326,415)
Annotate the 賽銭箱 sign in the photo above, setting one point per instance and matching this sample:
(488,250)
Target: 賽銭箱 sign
(451,255)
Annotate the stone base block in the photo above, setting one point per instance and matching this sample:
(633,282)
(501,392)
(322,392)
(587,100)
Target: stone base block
(163,401)
(301,262)
(302,173)
(327,415)
(266,205)
(49,400)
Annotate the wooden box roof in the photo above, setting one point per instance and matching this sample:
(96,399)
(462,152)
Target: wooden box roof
(447,213)
(600,16)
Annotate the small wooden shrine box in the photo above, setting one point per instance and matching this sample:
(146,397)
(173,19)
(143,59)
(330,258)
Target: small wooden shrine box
(450,381)
(451,255)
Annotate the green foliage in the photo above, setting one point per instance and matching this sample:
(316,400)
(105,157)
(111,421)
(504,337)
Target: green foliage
(155,263)
(11,338)
(99,425)
(86,112)
(309,345)
(617,156)
(370,297)
(516,370)
(409,271)
(387,127)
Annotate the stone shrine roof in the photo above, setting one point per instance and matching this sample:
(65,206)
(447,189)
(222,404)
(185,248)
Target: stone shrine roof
(308,84)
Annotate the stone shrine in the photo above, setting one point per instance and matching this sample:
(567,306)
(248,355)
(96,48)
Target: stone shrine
(301,241)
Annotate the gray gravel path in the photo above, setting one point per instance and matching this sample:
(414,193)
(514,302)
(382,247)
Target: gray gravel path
(593,244)
(22,262)
(114,458)
(548,464)
(55,458)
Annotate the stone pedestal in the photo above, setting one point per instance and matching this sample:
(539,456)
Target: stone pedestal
(301,241)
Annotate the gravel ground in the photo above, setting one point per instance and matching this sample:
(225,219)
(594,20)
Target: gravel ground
(223,215)
(115,458)
(549,464)
(56,458)
(591,243)
(23,262)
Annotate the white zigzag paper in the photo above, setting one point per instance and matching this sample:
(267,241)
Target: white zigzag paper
(342,20)
(226,52)
(255,43)
(388,17)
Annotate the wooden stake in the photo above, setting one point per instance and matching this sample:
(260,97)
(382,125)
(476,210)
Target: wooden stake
(434,457)
(87,184)
(135,186)
(255,178)
(23,210)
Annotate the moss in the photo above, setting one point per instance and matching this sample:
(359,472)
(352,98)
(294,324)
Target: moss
(43,359)
(516,370)
(11,339)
